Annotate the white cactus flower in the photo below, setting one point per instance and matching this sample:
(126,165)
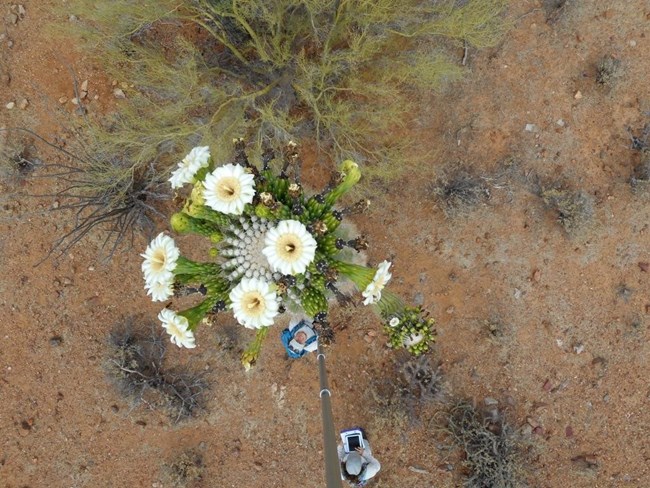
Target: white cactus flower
(228,189)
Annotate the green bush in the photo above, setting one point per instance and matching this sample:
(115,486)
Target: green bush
(343,72)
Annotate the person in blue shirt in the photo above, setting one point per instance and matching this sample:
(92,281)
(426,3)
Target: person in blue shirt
(299,338)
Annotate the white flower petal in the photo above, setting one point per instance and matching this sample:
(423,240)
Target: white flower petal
(198,158)
(228,189)
(160,290)
(372,293)
(289,248)
(254,303)
(160,260)
(177,327)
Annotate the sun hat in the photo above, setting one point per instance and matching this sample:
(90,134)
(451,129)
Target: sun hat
(353,463)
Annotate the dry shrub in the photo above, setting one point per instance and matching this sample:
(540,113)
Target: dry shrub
(574,209)
(396,398)
(608,71)
(491,449)
(135,363)
(186,470)
(460,189)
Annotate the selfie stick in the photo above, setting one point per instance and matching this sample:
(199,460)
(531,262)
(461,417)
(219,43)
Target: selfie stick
(332,467)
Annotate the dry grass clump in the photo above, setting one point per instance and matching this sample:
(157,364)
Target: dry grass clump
(135,363)
(490,447)
(574,209)
(608,71)
(459,190)
(640,179)
(413,382)
(18,158)
(186,470)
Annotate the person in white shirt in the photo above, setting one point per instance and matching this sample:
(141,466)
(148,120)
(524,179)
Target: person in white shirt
(358,466)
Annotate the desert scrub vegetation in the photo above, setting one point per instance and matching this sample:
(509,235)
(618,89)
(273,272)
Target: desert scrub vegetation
(397,395)
(135,363)
(100,187)
(492,451)
(458,190)
(343,73)
(574,208)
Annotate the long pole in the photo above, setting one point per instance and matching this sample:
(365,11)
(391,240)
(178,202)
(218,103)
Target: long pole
(332,467)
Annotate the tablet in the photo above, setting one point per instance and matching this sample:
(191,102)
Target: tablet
(352,439)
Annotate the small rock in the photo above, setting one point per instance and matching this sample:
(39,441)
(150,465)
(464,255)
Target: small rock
(6,79)
(532,422)
(83,94)
(530,128)
(372,333)
(644,266)
(548,385)
(75,101)
(368,338)
(517,294)
(67,282)
(579,348)
(21,10)
(568,431)
(73,18)
(450,309)
(96,97)
(91,268)
(23,103)
(56,204)
(560,122)
(632,43)
(80,110)
(84,85)
(418,299)
(10,105)
(118,93)
(63,100)
(491,401)
(539,430)
(536,275)
(578,95)
(56,341)
(12,19)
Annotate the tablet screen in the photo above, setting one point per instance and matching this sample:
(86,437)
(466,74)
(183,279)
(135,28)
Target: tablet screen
(354,441)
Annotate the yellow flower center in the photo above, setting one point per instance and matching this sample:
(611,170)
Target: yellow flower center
(228,189)
(254,303)
(173,330)
(158,260)
(289,247)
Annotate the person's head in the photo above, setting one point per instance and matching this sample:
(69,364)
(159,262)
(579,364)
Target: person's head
(353,466)
(300,337)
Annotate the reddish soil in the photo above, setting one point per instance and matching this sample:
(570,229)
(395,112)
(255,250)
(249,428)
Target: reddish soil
(567,351)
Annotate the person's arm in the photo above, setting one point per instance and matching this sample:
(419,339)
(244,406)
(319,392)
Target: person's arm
(341,453)
(373,466)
